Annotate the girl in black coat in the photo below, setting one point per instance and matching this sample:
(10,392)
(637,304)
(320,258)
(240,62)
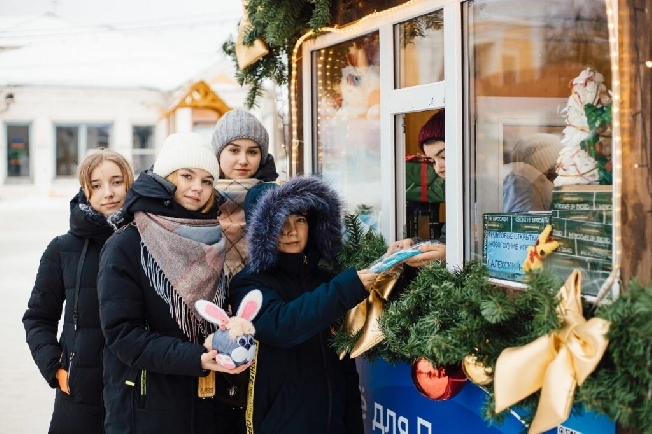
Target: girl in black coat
(68,272)
(151,274)
(300,384)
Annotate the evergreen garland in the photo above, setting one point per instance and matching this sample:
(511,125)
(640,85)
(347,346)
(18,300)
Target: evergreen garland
(621,385)
(361,246)
(445,315)
(279,23)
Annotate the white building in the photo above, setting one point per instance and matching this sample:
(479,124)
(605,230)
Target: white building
(66,89)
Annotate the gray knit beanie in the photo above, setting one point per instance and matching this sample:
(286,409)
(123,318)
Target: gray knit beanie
(239,124)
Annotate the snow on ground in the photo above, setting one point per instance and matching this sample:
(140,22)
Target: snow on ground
(26,227)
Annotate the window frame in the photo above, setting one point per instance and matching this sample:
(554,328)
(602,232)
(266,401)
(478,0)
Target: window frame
(82,145)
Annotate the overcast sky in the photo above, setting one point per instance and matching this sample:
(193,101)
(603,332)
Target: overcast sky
(122,11)
(189,33)
(196,25)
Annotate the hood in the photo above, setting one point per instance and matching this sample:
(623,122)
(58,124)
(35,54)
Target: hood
(302,193)
(85,221)
(267,170)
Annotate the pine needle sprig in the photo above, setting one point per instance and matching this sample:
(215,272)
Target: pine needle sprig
(361,246)
(621,385)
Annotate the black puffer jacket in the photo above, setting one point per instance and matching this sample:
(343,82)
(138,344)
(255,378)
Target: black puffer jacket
(300,384)
(151,368)
(68,272)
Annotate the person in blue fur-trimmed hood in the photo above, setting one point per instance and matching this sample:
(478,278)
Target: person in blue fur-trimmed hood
(299,383)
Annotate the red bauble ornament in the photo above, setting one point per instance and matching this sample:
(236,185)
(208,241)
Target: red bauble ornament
(437,382)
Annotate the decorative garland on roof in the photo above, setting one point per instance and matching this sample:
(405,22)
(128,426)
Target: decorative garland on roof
(445,316)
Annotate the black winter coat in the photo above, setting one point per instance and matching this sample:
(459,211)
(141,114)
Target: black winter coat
(151,369)
(68,272)
(300,384)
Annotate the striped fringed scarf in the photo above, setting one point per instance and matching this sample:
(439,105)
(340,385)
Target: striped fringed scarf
(232,220)
(183,260)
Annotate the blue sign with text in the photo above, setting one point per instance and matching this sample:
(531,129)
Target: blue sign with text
(391,404)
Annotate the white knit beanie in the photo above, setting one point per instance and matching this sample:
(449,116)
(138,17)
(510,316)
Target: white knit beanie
(239,124)
(186,151)
(539,150)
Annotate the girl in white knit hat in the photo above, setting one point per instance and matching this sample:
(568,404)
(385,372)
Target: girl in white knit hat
(151,274)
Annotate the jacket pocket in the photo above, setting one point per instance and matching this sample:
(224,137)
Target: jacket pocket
(64,373)
(62,378)
(137,379)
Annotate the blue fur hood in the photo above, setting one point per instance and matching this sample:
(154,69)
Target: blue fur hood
(300,194)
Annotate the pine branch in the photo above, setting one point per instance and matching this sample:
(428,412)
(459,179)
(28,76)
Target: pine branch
(621,386)
(279,23)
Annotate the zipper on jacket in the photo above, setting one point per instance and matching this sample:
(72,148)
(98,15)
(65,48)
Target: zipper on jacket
(141,377)
(143,383)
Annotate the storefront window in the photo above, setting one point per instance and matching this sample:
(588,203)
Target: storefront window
(347,120)
(17,150)
(539,126)
(420,50)
(72,141)
(67,143)
(98,136)
(143,147)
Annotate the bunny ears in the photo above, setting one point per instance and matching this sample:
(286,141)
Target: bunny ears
(248,309)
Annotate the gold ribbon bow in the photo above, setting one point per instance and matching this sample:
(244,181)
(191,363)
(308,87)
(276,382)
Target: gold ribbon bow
(555,363)
(365,315)
(247,54)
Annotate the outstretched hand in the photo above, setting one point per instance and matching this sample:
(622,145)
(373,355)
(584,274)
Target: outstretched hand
(208,363)
(430,252)
(399,245)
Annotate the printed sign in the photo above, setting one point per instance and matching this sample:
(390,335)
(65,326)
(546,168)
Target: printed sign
(506,239)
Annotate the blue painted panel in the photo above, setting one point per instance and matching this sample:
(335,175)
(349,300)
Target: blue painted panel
(389,395)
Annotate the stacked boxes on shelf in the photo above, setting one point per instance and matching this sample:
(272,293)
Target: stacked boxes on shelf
(582,224)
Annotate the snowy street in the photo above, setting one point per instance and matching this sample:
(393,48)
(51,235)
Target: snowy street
(26,228)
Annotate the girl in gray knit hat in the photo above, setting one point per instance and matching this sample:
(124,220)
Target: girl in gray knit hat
(241,145)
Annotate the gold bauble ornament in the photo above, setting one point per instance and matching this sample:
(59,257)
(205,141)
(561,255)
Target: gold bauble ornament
(478,373)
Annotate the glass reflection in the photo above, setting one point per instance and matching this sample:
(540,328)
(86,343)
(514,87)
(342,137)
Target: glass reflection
(529,68)
(347,122)
(420,50)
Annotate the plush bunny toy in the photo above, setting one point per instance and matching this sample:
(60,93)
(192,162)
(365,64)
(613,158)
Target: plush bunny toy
(234,341)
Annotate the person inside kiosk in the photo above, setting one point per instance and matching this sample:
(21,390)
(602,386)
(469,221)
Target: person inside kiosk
(432,145)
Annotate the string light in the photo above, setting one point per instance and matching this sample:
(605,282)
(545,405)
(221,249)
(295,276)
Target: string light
(611,284)
(612,8)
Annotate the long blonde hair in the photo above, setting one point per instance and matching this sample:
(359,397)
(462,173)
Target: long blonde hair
(174,179)
(97,157)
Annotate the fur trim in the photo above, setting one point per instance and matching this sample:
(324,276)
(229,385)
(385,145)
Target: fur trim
(300,194)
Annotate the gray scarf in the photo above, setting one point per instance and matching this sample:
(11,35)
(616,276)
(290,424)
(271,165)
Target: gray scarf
(183,260)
